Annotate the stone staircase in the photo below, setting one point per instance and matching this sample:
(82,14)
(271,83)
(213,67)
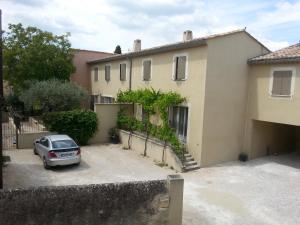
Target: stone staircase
(189,163)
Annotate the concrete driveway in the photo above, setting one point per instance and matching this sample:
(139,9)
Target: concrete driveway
(99,164)
(262,191)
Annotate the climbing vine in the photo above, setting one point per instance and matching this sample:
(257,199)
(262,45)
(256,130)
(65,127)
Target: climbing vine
(152,102)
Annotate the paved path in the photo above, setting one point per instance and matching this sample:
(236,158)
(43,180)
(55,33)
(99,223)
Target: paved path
(265,191)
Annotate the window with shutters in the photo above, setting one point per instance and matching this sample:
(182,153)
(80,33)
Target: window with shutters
(147,67)
(282,82)
(107,72)
(180,67)
(122,71)
(178,119)
(96,74)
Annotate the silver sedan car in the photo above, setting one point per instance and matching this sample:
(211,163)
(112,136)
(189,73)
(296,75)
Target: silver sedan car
(57,150)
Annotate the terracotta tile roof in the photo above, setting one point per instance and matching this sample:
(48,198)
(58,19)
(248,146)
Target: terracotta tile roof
(169,47)
(289,54)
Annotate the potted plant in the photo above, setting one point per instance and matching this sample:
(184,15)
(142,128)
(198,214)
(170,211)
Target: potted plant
(114,136)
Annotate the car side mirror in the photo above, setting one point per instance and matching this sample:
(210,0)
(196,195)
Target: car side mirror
(38,141)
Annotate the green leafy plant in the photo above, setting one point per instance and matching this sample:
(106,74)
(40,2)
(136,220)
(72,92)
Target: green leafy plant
(152,102)
(118,50)
(33,54)
(78,124)
(52,95)
(12,101)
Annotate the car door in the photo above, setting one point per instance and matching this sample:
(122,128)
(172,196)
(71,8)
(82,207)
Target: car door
(43,146)
(38,145)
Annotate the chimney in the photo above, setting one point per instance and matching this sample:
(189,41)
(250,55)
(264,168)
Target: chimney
(187,35)
(137,45)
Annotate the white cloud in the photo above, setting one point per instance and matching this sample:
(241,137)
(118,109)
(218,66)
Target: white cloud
(102,24)
(274,45)
(285,12)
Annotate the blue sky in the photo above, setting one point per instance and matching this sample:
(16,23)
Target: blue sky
(102,24)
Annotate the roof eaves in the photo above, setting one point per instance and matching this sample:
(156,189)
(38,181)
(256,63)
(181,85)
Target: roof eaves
(149,51)
(274,61)
(86,50)
(175,46)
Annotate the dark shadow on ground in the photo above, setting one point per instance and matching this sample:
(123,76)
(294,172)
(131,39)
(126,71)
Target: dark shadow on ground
(60,169)
(289,159)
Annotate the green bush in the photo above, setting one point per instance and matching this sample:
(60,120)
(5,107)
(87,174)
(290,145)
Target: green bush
(52,96)
(152,102)
(78,124)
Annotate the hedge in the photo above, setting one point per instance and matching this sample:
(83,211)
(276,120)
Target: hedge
(78,124)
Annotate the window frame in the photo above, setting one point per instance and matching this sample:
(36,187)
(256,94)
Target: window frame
(110,66)
(174,66)
(45,142)
(283,68)
(143,60)
(107,96)
(126,73)
(94,72)
(96,98)
(184,139)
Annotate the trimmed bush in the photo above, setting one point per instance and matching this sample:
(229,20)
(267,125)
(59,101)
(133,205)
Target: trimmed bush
(78,124)
(52,96)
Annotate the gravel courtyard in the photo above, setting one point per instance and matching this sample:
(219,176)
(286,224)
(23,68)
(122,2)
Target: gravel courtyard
(262,191)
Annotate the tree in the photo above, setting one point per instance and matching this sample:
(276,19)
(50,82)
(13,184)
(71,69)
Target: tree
(33,54)
(52,95)
(118,50)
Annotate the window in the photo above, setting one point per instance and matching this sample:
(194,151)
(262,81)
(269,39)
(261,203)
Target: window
(64,144)
(122,71)
(44,142)
(147,70)
(180,67)
(281,82)
(107,72)
(96,74)
(95,98)
(106,99)
(178,119)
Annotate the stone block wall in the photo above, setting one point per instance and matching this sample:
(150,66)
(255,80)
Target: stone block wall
(132,203)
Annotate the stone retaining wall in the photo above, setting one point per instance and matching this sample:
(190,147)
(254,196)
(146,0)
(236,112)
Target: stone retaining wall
(154,149)
(132,203)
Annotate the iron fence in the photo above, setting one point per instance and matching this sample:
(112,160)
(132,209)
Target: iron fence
(15,124)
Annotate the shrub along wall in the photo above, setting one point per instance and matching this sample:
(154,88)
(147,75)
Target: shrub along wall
(81,125)
(152,102)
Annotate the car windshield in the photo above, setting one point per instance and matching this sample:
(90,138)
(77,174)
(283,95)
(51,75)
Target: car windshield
(64,144)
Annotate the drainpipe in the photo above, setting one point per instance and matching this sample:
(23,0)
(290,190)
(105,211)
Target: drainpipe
(130,87)
(130,73)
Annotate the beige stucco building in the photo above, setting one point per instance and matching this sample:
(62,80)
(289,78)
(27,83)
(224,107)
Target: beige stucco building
(272,122)
(225,91)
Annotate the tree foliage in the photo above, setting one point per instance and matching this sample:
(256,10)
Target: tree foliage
(81,125)
(52,95)
(118,50)
(33,54)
